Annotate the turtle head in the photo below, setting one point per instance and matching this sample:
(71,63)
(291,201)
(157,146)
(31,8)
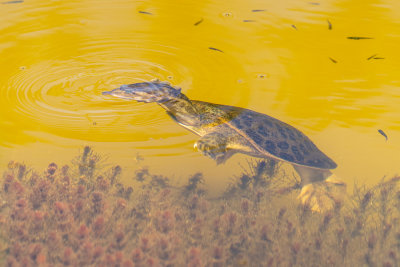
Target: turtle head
(154,91)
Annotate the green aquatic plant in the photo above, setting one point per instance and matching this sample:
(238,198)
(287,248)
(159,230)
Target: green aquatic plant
(59,218)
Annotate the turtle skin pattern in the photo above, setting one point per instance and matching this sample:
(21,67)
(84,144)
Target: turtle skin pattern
(268,134)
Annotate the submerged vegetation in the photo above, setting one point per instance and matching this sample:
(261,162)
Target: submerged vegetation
(82,215)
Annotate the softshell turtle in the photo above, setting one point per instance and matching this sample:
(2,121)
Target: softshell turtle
(226,130)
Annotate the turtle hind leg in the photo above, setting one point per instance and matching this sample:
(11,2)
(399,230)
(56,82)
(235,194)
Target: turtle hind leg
(310,175)
(320,190)
(215,146)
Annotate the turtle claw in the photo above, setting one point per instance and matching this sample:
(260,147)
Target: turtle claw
(322,196)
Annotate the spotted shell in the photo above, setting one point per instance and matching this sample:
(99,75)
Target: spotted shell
(276,138)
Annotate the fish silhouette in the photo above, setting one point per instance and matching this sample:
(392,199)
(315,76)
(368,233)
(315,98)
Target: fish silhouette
(383,133)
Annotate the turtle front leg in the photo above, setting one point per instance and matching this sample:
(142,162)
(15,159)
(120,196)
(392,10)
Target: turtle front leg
(215,146)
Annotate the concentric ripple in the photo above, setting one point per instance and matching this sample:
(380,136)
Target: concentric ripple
(63,61)
(65,94)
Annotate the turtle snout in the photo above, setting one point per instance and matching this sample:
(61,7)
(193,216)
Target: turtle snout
(106,93)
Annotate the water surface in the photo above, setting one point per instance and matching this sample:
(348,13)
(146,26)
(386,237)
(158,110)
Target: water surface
(289,59)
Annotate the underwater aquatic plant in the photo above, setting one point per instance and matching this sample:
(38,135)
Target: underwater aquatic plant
(83,215)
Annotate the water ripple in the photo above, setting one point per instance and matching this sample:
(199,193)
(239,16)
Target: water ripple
(66,93)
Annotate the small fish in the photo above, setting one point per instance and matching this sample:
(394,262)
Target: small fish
(248,20)
(197,23)
(371,57)
(378,58)
(383,133)
(334,61)
(13,2)
(258,10)
(329,24)
(358,38)
(294,27)
(145,12)
(216,49)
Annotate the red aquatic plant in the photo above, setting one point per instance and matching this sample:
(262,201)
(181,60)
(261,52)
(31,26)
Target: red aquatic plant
(80,215)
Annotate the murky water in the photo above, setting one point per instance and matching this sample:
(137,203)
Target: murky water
(289,59)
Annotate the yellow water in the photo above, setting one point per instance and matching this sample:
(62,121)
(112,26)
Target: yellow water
(58,56)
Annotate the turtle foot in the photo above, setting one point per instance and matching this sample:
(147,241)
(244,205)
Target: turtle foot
(323,196)
(209,150)
(214,145)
